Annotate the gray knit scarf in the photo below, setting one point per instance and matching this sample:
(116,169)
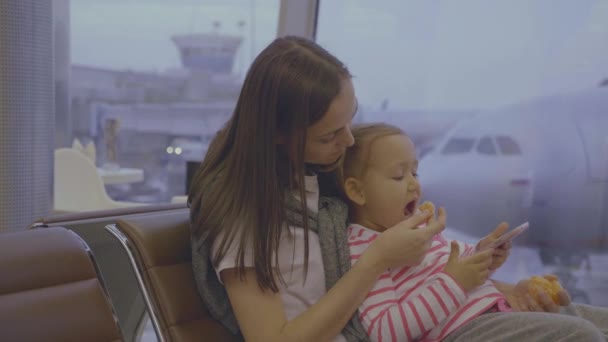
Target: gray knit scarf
(329,223)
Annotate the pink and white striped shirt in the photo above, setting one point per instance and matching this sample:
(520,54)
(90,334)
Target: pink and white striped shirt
(420,303)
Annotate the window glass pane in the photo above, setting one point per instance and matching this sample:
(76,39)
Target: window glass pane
(458,146)
(153,81)
(531,75)
(486,146)
(507,145)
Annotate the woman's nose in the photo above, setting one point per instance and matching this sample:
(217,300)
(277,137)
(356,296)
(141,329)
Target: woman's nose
(347,137)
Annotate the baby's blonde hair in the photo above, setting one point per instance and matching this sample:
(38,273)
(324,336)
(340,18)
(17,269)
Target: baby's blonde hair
(356,158)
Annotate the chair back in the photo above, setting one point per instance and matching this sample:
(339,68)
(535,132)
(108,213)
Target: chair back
(160,250)
(111,259)
(50,289)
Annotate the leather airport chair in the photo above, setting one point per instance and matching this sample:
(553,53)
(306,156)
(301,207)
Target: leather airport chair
(112,260)
(93,214)
(161,255)
(50,289)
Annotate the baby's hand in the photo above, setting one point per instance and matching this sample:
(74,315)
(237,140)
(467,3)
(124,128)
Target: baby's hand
(469,272)
(501,253)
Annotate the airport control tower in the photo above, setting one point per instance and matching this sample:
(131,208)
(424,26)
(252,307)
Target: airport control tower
(212,52)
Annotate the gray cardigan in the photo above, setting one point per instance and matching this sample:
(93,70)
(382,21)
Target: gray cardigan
(329,223)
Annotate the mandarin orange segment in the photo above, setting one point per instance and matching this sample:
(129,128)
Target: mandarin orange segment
(428,206)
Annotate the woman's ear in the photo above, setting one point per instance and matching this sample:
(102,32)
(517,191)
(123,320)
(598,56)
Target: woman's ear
(354,191)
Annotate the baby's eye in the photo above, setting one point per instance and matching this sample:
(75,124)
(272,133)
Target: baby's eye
(398,178)
(415,174)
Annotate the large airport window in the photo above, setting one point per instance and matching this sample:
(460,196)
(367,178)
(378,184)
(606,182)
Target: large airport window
(531,75)
(151,82)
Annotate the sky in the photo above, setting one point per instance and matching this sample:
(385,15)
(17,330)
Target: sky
(136,34)
(434,55)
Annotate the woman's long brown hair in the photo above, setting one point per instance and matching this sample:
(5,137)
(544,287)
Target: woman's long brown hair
(238,193)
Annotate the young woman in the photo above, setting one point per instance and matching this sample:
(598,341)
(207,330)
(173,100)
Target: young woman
(292,121)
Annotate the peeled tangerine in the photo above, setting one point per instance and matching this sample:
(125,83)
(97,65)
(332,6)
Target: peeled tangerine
(429,206)
(551,287)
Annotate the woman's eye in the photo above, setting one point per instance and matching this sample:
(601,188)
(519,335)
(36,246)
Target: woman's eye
(328,139)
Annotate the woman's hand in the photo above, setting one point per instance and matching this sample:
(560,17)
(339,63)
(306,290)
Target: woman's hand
(520,299)
(501,253)
(405,244)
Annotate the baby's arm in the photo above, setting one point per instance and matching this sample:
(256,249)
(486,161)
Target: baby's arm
(387,317)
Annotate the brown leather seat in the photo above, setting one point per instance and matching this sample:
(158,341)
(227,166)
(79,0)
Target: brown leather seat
(112,260)
(50,290)
(161,250)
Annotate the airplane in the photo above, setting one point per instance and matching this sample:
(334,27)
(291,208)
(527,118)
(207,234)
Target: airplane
(424,127)
(544,160)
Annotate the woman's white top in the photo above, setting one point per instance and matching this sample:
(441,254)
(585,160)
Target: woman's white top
(297,292)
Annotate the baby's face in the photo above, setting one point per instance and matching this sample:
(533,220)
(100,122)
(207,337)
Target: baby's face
(390,185)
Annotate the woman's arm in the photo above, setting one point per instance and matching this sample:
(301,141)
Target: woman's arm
(261,315)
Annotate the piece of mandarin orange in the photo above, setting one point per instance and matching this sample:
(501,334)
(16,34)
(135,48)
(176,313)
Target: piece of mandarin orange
(427,206)
(550,287)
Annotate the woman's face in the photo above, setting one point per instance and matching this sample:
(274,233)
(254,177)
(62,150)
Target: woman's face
(328,138)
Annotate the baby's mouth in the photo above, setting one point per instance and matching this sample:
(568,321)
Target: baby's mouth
(410,208)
